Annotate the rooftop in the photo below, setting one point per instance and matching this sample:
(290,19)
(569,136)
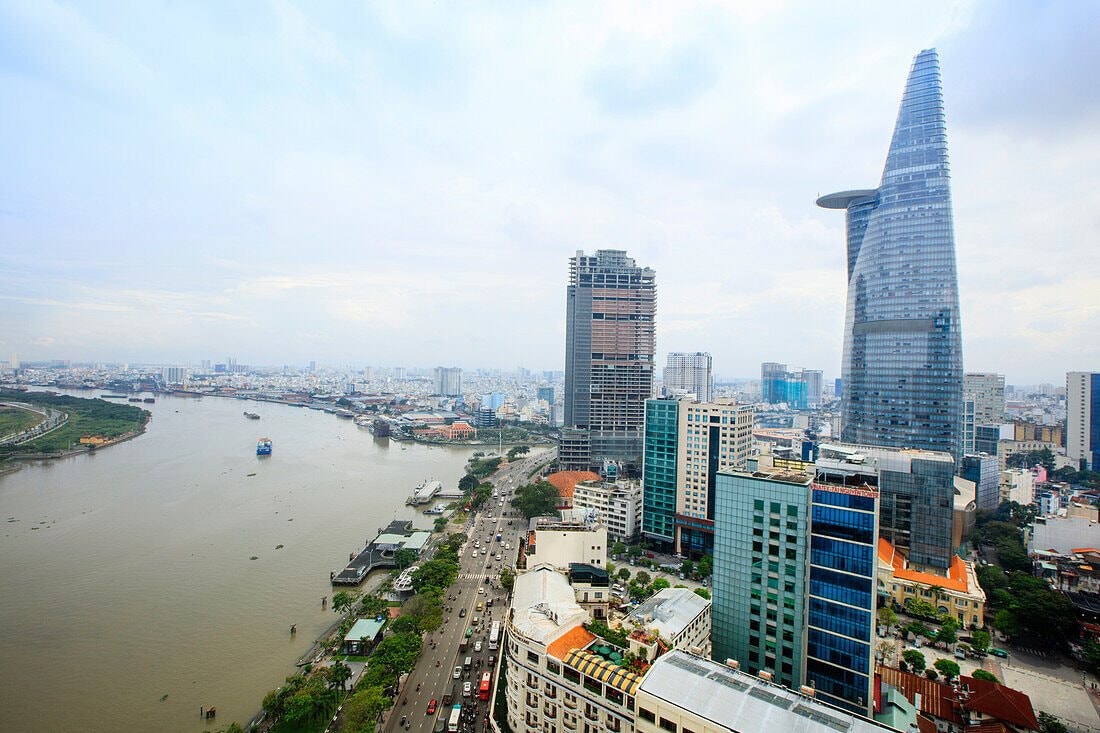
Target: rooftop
(566,481)
(737,701)
(669,611)
(957,578)
(542,603)
(364,628)
(1064,536)
(607,672)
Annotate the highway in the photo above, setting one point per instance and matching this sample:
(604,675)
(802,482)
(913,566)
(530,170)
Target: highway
(478,582)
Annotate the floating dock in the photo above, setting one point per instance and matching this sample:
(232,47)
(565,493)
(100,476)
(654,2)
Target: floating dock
(379,552)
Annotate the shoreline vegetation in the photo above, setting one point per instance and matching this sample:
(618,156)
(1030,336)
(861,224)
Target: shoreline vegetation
(107,422)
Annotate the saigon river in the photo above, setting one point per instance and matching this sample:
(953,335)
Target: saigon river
(134,602)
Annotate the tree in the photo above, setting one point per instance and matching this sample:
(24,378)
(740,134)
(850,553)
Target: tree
(537,499)
(440,524)
(342,601)
(635,551)
(404,557)
(618,548)
(659,584)
(435,573)
(339,674)
(947,668)
(887,617)
(1005,622)
(643,578)
(687,568)
(1050,724)
(507,578)
(981,674)
(624,573)
(979,641)
(916,628)
(372,605)
(519,450)
(705,566)
(914,659)
(362,709)
(885,651)
(702,593)
(946,634)
(931,674)
(467,483)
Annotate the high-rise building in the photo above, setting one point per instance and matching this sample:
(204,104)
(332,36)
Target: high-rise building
(687,443)
(983,404)
(985,471)
(794,580)
(609,352)
(447,381)
(689,373)
(546,393)
(917,495)
(800,389)
(902,366)
(1083,419)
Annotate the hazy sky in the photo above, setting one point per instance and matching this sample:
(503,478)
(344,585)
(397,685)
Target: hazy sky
(403,184)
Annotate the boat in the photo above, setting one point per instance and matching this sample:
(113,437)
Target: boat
(149,400)
(251,415)
(263,447)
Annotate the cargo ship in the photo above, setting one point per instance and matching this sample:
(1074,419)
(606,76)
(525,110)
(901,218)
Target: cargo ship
(263,447)
(251,415)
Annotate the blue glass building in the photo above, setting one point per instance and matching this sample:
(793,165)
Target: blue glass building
(902,369)
(662,420)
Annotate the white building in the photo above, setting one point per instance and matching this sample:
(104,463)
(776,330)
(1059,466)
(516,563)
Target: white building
(574,538)
(618,504)
(679,616)
(447,381)
(685,693)
(689,373)
(1079,439)
(554,682)
(1018,485)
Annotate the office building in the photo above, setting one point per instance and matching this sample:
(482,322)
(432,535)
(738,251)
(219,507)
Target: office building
(794,580)
(1083,419)
(687,443)
(917,495)
(618,504)
(447,381)
(546,393)
(684,692)
(609,353)
(902,363)
(687,373)
(985,471)
(799,389)
(983,405)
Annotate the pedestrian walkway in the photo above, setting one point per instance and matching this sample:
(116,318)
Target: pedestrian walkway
(476,576)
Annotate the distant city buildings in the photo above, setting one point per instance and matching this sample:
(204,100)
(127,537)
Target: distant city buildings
(689,373)
(447,381)
(609,360)
(902,364)
(686,444)
(799,389)
(1083,419)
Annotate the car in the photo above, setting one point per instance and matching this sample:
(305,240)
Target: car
(462,613)
(476,621)
(481,591)
(469,632)
(480,606)
(432,705)
(466,687)
(999,653)
(650,555)
(477,646)
(457,672)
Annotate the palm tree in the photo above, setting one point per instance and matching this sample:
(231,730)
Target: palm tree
(339,674)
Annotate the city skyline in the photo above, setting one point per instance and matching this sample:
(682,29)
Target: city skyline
(381,186)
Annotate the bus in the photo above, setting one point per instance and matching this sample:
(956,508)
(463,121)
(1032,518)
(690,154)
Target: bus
(494,637)
(486,683)
(456,717)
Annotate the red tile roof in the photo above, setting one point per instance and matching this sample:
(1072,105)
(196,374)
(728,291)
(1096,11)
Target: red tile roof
(956,579)
(1000,702)
(576,638)
(566,481)
(936,698)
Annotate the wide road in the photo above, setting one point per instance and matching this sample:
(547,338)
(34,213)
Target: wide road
(478,582)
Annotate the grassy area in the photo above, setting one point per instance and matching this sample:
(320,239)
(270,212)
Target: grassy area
(14,419)
(86,417)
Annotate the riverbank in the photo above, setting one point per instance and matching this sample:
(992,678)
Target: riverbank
(15,461)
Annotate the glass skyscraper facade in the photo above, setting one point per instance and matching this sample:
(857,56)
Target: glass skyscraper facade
(902,367)
(662,420)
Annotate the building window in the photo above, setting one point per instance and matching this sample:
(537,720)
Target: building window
(668,725)
(646,715)
(552,667)
(532,658)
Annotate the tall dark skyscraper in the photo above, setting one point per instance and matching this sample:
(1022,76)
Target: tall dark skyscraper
(903,370)
(609,349)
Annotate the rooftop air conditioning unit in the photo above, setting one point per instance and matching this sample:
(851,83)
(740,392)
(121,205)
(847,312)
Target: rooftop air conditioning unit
(766,675)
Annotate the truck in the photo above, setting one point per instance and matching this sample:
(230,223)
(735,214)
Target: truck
(464,644)
(448,697)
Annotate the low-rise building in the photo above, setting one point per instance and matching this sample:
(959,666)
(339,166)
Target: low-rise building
(1018,485)
(957,593)
(592,587)
(618,504)
(679,617)
(574,537)
(969,705)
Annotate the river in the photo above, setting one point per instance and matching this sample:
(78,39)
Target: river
(128,598)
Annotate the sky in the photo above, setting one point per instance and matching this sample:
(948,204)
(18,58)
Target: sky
(404,183)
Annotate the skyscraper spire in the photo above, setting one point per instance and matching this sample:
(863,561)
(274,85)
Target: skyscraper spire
(902,366)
